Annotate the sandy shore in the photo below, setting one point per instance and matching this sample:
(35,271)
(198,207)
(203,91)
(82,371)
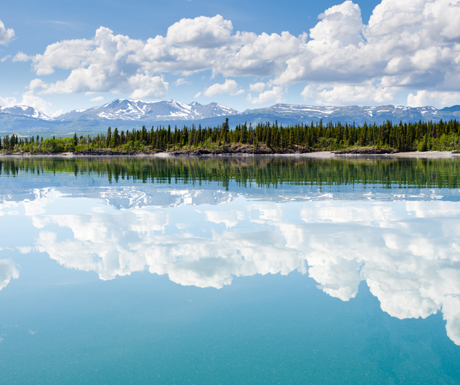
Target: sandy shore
(314,155)
(413,155)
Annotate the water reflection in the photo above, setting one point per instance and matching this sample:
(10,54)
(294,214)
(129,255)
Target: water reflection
(339,228)
(245,172)
(8,271)
(408,252)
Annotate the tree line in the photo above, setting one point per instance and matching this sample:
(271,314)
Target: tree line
(421,136)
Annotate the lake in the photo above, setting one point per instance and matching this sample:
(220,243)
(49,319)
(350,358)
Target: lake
(229,271)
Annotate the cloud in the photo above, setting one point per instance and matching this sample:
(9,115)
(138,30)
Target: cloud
(413,43)
(106,73)
(37,84)
(340,26)
(8,271)
(5,102)
(6,35)
(116,63)
(406,46)
(146,86)
(201,32)
(97,99)
(180,82)
(263,55)
(30,99)
(269,96)
(103,64)
(257,87)
(432,98)
(21,57)
(346,94)
(229,87)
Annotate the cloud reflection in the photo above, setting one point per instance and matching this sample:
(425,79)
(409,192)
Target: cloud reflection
(408,252)
(8,271)
(118,245)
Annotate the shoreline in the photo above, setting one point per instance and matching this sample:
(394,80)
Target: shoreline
(312,155)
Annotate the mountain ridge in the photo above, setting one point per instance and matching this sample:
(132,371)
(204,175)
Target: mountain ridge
(125,109)
(125,113)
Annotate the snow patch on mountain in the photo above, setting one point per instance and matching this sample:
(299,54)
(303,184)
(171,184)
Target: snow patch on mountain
(26,111)
(123,109)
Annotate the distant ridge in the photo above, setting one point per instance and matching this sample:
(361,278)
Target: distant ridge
(451,109)
(126,114)
(124,109)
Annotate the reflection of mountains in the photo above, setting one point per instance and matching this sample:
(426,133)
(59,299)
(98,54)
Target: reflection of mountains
(125,182)
(126,197)
(407,252)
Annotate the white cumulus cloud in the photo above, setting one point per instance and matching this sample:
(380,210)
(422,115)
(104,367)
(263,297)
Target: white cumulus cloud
(30,99)
(432,98)
(6,35)
(21,57)
(201,32)
(37,84)
(346,94)
(407,46)
(257,87)
(146,86)
(5,102)
(229,87)
(269,96)
(181,82)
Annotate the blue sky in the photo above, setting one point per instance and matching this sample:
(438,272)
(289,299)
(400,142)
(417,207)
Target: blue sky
(59,56)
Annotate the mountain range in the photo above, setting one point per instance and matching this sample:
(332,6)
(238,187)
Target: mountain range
(127,114)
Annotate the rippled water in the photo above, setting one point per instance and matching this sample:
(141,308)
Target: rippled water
(208,271)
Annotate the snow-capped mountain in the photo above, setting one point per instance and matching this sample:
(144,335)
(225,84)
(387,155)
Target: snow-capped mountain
(26,111)
(350,114)
(123,109)
(126,114)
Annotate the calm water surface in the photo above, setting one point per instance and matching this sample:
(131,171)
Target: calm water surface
(216,271)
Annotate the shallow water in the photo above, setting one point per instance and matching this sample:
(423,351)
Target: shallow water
(229,271)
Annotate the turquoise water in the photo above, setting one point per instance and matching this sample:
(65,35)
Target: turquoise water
(229,272)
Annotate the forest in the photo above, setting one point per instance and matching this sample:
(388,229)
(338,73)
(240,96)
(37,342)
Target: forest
(261,138)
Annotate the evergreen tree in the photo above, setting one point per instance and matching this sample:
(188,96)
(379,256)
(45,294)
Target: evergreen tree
(423,146)
(109,136)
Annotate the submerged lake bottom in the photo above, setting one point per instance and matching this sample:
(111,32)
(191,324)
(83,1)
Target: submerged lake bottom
(229,271)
